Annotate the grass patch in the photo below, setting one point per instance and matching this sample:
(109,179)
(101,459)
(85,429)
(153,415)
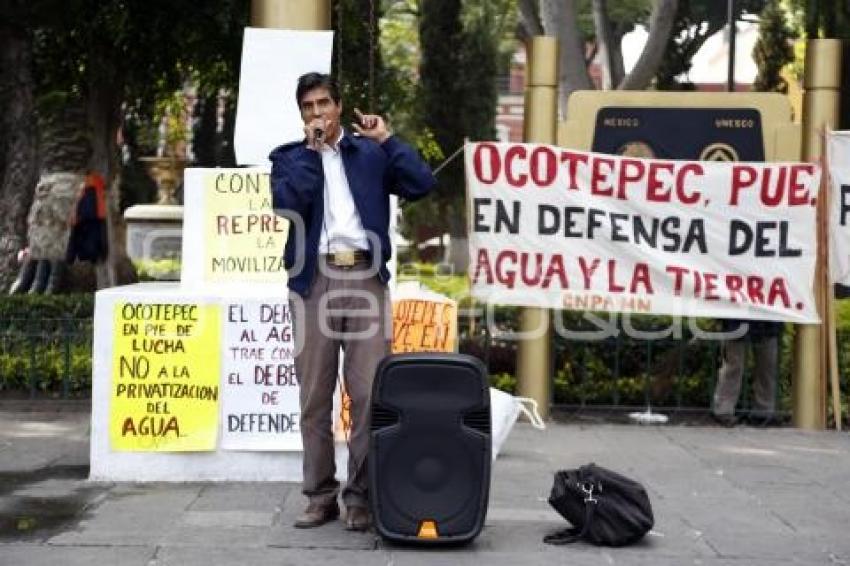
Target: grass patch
(454,286)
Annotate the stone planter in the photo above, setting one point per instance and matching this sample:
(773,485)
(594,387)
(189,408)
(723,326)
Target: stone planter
(167,172)
(154,239)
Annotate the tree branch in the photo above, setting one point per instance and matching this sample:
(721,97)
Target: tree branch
(591,55)
(609,45)
(660,26)
(560,19)
(529,19)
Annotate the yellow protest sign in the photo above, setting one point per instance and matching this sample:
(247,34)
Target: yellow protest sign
(243,237)
(422,322)
(423,325)
(165,377)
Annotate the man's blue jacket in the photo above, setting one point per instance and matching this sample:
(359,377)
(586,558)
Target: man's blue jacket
(374,171)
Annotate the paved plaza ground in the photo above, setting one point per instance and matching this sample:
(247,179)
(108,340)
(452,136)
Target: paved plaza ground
(741,496)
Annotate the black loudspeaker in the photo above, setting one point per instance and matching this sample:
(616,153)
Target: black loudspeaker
(430,448)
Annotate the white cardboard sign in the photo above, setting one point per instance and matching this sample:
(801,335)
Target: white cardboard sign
(267,114)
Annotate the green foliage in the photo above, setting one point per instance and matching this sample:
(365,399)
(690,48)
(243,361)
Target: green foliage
(810,19)
(625,371)
(696,21)
(158,269)
(823,18)
(415,216)
(463,50)
(479,68)
(356,52)
(168,108)
(142,49)
(46,338)
(773,50)
(623,14)
(441,36)
(46,366)
(842,316)
(504,381)
(34,308)
(399,43)
(455,287)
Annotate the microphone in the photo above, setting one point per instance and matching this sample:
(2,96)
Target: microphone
(318,135)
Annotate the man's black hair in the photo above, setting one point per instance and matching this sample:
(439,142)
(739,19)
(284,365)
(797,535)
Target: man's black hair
(309,81)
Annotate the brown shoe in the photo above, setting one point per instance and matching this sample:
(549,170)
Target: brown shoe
(317,515)
(724,419)
(357,519)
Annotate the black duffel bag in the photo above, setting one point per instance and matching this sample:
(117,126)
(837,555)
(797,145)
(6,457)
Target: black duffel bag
(604,507)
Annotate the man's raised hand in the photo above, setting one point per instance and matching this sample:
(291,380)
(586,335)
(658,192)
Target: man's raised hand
(371,126)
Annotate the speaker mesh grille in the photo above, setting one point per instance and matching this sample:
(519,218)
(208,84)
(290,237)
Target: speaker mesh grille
(383,417)
(479,420)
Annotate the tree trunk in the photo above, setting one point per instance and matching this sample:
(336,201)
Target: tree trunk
(457,254)
(20,149)
(204,136)
(660,26)
(560,19)
(226,157)
(104,114)
(609,46)
(64,144)
(529,19)
(64,153)
(618,66)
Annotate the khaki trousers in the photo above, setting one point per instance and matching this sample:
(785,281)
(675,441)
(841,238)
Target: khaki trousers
(728,388)
(346,309)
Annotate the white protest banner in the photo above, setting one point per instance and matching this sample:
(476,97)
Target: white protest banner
(559,228)
(838,155)
(267,114)
(259,405)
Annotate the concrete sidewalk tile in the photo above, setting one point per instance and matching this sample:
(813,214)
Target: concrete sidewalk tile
(331,535)
(517,538)
(227,519)
(246,529)
(52,488)
(794,507)
(220,555)
(46,555)
(227,537)
(772,546)
(737,497)
(542,514)
(455,557)
(671,536)
(242,496)
(133,514)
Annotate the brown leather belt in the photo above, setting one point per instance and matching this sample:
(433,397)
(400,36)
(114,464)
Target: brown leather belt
(346,258)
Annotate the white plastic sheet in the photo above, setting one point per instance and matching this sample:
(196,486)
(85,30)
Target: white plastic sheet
(505,410)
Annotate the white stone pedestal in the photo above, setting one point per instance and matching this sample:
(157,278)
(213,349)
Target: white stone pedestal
(108,464)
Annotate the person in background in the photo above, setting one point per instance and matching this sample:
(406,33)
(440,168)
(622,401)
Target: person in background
(763,336)
(88,241)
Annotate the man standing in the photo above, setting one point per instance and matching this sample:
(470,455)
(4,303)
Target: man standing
(335,187)
(763,336)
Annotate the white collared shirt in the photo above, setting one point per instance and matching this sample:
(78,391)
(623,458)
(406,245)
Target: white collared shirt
(342,229)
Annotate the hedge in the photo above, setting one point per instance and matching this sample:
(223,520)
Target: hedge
(46,338)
